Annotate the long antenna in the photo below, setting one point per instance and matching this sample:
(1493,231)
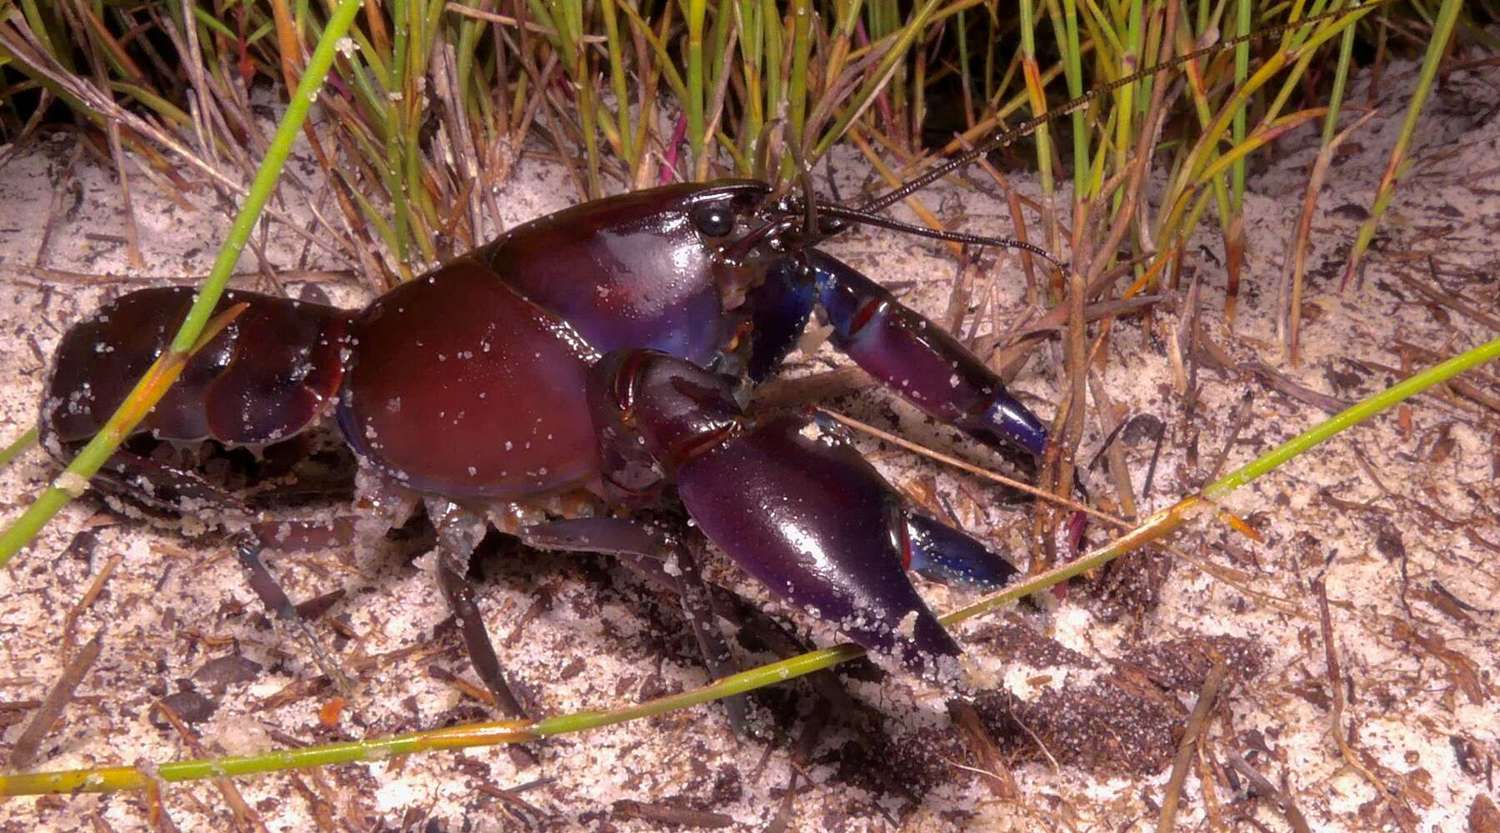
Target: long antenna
(868,218)
(1026,127)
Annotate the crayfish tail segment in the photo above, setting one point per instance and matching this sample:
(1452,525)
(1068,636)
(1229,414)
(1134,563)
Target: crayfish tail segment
(918,359)
(950,556)
(272,372)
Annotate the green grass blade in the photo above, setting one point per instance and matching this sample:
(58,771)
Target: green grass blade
(1441,32)
(1340,83)
(20,446)
(1352,416)
(697,14)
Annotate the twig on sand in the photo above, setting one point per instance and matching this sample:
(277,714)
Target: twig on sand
(667,814)
(1180,765)
(1445,299)
(22,754)
(997,776)
(1299,392)
(248,818)
(1263,786)
(1402,813)
(70,621)
(1237,424)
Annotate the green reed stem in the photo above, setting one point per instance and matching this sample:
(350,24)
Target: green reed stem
(1340,83)
(1237,127)
(697,13)
(1043,134)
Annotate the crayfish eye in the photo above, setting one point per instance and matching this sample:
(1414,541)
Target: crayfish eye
(712,219)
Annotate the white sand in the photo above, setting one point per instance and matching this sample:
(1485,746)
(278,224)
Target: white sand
(1421,679)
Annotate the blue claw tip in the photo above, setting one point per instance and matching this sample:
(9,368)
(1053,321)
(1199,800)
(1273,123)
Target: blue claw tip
(1013,421)
(946,555)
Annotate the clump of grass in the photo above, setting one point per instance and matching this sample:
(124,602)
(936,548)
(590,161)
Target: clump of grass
(430,102)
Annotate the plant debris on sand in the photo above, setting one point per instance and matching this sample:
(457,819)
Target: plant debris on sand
(1356,638)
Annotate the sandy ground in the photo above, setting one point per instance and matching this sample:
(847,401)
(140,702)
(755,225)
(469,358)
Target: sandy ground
(1397,518)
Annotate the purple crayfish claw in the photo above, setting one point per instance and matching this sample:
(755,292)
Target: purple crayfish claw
(802,512)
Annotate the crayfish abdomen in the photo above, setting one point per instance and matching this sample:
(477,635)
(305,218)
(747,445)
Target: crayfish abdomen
(272,371)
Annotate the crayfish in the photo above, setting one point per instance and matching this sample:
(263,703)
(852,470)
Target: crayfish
(581,369)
